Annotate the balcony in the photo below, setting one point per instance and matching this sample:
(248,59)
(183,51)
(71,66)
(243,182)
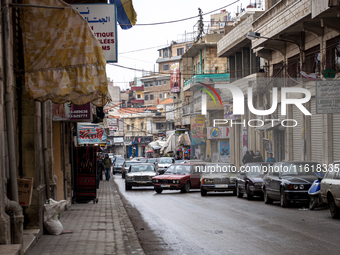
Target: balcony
(137,87)
(216,77)
(137,101)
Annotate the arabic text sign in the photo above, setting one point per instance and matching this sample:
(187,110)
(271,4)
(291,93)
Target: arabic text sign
(327,96)
(91,134)
(79,113)
(102,20)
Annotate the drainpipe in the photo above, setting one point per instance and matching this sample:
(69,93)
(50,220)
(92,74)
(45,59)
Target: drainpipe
(13,205)
(17,220)
(9,104)
(44,137)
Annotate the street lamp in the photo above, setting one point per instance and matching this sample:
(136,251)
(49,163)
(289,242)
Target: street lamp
(255,35)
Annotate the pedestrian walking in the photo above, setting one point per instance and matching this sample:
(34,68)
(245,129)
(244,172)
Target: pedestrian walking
(252,154)
(257,157)
(107,164)
(270,158)
(247,158)
(207,159)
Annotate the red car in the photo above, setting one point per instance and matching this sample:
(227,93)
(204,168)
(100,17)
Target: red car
(179,177)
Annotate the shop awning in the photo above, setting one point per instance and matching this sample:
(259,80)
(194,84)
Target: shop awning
(269,126)
(63,59)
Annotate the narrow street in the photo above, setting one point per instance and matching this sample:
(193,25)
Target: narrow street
(223,224)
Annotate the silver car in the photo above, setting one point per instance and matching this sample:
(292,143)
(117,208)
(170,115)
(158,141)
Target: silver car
(140,175)
(218,177)
(330,189)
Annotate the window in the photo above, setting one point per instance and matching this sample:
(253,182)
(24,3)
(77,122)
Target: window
(128,127)
(160,53)
(156,95)
(165,67)
(145,85)
(138,95)
(133,127)
(180,51)
(151,84)
(156,83)
(164,95)
(160,95)
(165,53)
(142,125)
(164,82)
(151,97)
(333,54)
(159,126)
(146,97)
(312,60)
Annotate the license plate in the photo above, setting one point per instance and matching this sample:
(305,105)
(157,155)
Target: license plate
(141,182)
(221,186)
(165,186)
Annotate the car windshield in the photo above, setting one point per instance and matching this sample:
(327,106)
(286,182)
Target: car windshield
(177,169)
(151,160)
(253,169)
(220,168)
(142,168)
(301,169)
(120,161)
(179,161)
(127,164)
(143,160)
(165,161)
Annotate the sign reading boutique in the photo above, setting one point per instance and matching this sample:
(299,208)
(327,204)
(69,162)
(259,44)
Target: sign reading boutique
(218,132)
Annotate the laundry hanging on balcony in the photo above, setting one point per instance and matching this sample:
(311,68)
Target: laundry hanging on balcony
(63,59)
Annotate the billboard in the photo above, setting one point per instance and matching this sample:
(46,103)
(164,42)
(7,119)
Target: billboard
(174,78)
(103,22)
(218,132)
(91,134)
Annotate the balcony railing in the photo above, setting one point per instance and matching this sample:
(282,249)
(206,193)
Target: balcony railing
(200,78)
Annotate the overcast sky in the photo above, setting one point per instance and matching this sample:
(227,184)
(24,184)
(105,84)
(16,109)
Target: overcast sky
(159,36)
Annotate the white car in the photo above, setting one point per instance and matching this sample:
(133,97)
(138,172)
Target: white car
(330,189)
(163,164)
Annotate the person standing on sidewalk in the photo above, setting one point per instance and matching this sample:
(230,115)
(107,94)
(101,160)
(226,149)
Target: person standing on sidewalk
(107,164)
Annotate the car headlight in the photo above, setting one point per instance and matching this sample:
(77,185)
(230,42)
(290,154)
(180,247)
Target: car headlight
(178,181)
(232,180)
(296,186)
(155,180)
(302,186)
(150,177)
(128,177)
(208,181)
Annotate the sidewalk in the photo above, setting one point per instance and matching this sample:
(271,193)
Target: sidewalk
(102,228)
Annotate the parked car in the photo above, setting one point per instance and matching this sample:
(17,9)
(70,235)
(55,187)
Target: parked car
(163,164)
(289,182)
(218,177)
(139,175)
(119,164)
(127,164)
(179,177)
(250,179)
(330,189)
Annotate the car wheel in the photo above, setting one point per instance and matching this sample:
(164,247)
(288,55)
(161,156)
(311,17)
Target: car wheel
(159,191)
(313,202)
(123,176)
(267,199)
(234,192)
(203,192)
(127,187)
(186,187)
(283,199)
(335,211)
(239,194)
(249,195)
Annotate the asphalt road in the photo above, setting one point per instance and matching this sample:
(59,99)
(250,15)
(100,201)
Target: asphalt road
(221,223)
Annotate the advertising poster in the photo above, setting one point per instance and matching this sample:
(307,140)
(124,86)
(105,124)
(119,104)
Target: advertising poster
(228,112)
(197,128)
(174,78)
(224,151)
(91,134)
(65,112)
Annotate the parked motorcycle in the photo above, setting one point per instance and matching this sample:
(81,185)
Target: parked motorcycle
(314,192)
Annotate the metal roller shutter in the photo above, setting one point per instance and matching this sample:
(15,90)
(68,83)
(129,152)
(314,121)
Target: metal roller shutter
(297,140)
(316,134)
(336,136)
